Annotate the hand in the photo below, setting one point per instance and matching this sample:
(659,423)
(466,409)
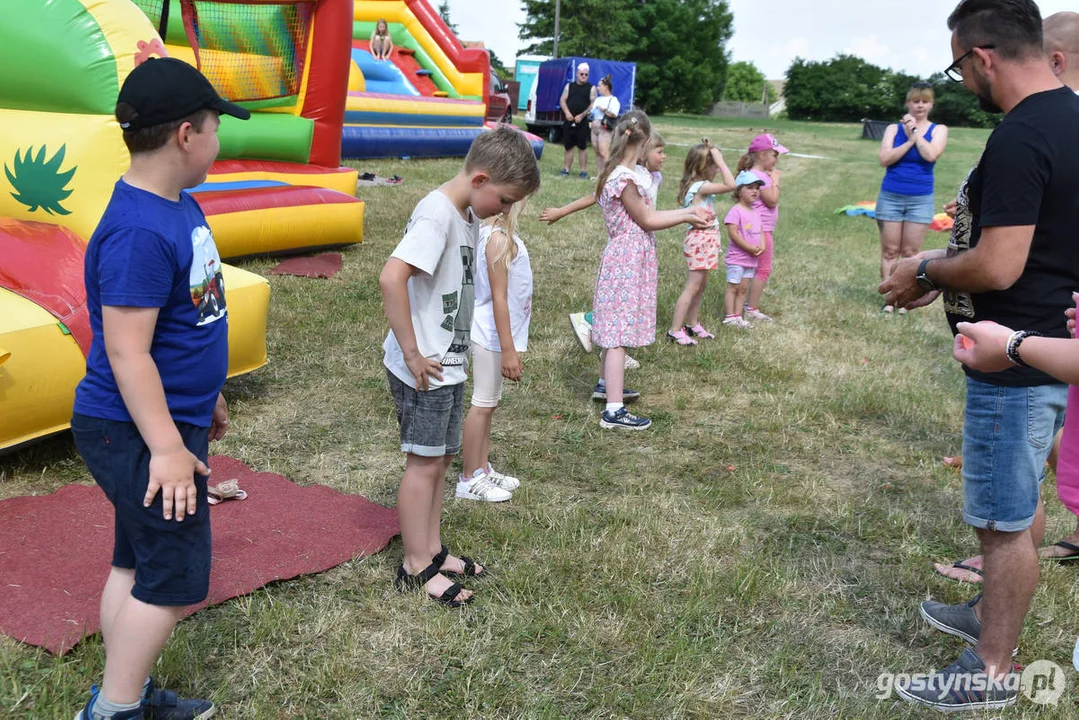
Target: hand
(700,217)
(550,216)
(173,473)
(421,367)
(775,174)
(219,423)
(981,346)
(511,365)
(758,250)
(949,209)
(923,301)
(902,288)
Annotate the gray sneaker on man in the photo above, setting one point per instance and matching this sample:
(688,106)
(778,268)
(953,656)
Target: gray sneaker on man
(959,620)
(963,685)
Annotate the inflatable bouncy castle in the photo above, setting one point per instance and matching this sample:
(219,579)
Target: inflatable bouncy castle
(428,100)
(276,187)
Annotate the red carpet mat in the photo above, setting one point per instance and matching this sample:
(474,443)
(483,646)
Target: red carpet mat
(317,266)
(55,549)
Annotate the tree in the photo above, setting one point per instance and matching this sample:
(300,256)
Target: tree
(444,13)
(745,83)
(497,66)
(679,45)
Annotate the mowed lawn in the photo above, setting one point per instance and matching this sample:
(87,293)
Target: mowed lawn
(760,552)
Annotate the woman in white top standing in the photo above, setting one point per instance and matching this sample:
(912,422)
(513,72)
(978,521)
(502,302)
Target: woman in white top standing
(503,286)
(604,116)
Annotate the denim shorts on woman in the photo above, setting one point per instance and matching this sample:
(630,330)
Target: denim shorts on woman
(430,420)
(904,208)
(1007,435)
(171,559)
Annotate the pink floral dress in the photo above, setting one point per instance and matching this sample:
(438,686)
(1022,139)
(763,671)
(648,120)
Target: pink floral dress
(624,308)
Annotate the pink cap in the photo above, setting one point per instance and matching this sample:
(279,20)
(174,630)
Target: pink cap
(767,142)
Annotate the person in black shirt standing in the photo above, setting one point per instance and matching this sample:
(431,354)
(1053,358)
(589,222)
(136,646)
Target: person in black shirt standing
(1013,259)
(577,98)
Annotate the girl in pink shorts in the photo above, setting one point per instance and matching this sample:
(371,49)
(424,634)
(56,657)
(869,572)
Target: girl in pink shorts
(702,246)
(764,152)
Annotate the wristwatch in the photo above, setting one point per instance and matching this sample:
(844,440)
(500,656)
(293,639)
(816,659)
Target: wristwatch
(923,279)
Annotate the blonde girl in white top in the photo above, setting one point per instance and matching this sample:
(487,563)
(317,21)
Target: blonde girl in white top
(499,336)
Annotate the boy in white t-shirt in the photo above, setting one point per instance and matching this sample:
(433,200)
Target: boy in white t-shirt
(428,297)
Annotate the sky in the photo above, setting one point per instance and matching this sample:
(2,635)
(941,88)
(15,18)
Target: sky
(908,35)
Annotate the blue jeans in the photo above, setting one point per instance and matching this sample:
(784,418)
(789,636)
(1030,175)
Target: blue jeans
(430,420)
(1007,436)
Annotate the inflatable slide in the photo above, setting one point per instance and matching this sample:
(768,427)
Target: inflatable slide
(429,100)
(278,186)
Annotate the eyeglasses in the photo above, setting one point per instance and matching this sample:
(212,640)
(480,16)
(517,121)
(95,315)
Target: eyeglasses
(583,74)
(955,70)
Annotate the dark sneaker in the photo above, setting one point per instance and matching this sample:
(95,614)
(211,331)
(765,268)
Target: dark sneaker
(87,712)
(963,685)
(599,393)
(564,172)
(583,175)
(958,620)
(622,420)
(160,704)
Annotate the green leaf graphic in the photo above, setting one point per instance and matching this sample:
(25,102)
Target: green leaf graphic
(38,182)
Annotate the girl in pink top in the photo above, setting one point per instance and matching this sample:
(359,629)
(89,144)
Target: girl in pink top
(760,160)
(746,246)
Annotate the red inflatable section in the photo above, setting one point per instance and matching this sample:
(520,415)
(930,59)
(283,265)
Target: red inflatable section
(232,201)
(470,60)
(327,79)
(229,167)
(405,60)
(44,264)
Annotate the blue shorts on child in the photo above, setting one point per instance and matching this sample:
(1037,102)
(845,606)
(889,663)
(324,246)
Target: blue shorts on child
(430,420)
(171,559)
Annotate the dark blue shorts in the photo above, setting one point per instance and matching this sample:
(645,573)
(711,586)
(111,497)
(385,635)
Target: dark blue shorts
(171,559)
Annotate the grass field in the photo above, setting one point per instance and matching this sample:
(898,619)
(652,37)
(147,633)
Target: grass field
(760,552)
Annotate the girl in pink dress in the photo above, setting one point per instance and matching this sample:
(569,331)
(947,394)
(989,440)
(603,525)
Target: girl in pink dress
(624,309)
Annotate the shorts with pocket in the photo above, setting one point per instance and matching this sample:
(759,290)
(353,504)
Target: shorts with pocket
(430,420)
(892,207)
(171,559)
(486,377)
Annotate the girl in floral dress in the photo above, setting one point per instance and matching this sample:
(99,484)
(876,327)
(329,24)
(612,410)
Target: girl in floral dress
(624,309)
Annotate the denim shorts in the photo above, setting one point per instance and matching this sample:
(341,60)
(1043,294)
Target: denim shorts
(904,208)
(430,420)
(171,559)
(1007,435)
(736,274)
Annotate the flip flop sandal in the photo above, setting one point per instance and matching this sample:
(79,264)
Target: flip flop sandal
(1070,547)
(961,566)
(470,565)
(406,582)
(227,490)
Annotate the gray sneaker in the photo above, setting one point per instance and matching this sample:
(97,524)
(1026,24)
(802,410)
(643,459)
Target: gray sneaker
(959,620)
(963,685)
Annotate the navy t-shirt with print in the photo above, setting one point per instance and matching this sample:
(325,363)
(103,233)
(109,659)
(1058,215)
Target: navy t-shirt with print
(1028,175)
(151,252)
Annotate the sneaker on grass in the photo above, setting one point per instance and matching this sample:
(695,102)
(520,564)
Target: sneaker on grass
(959,620)
(621,419)
(506,482)
(599,393)
(481,488)
(582,329)
(756,314)
(631,364)
(963,685)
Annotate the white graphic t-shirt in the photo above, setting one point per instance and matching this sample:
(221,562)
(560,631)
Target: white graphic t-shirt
(441,244)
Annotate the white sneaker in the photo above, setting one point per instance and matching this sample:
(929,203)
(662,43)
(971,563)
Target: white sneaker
(756,315)
(632,364)
(743,323)
(582,329)
(506,482)
(481,488)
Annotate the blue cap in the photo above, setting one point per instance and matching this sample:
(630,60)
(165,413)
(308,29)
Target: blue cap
(747,178)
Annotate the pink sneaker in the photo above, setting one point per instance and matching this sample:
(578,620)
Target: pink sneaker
(680,337)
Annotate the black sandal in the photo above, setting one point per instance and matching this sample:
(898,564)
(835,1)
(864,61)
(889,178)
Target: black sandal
(470,565)
(1070,547)
(406,581)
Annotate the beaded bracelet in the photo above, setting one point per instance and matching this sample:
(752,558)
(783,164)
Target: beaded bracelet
(1014,341)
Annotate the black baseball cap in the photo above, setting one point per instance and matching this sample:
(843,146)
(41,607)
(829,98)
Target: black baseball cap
(164,90)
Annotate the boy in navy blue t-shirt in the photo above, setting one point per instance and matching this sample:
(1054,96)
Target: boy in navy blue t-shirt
(151,399)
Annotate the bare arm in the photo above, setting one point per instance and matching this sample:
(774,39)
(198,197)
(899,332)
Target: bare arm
(393,282)
(128,334)
(498,274)
(712,188)
(932,150)
(982,346)
(653,220)
(770,195)
(889,155)
(562,102)
(553,215)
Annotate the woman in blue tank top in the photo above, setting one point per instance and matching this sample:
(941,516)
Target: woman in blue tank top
(908,152)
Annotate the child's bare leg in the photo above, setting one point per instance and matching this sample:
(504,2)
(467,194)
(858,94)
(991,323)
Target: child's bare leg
(117,590)
(693,317)
(434,534)
(603,365)
(740,299)
(137,634)
(684,303)
(414,508)
(476,438)
(730,300)
(614,361)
